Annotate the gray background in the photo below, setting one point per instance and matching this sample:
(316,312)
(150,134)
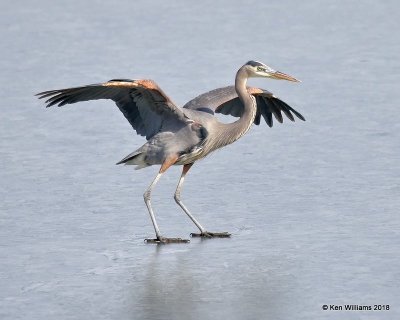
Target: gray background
(313,206)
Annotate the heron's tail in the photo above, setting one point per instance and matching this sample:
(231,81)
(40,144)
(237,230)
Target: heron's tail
(135,158)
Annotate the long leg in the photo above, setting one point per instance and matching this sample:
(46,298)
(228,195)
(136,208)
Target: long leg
(147,199)
(177,197)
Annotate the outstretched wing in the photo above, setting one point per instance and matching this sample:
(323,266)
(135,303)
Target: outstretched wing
(147,108)
(226,101)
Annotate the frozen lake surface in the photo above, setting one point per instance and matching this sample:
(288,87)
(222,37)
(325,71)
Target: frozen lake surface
(313,206)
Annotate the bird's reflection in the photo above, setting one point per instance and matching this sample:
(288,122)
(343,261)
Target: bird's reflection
(168,288)
(206,278)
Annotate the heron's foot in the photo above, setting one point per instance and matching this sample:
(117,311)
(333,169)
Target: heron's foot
(164,240)
(207,234)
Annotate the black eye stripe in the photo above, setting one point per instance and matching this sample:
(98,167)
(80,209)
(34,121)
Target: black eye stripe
(260,69)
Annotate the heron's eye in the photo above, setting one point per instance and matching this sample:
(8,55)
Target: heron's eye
(260,69)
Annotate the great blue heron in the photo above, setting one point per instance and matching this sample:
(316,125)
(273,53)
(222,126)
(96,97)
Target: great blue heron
(181,136)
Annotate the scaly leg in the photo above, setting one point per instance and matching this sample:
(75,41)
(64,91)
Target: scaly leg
(147,199)
(177,197)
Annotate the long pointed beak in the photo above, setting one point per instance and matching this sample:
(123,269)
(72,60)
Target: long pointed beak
(283,76)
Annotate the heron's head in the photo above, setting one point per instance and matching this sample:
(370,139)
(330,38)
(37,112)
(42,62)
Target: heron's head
(258,69)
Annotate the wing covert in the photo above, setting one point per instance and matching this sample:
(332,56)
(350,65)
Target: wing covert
(226,101)
(147,108)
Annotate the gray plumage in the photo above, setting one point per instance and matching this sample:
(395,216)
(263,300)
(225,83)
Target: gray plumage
(181,136)
(226,101)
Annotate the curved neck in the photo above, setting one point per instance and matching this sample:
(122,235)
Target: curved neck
(240,87)
(244,123)
(233,131)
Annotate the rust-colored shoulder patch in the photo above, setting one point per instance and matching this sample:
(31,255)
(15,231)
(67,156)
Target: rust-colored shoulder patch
(155,90)
(148,84)
(257,91)
(253,90)
(145,83)
(125,84)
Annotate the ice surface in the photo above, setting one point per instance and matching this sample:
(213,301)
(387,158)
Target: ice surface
(313,206)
